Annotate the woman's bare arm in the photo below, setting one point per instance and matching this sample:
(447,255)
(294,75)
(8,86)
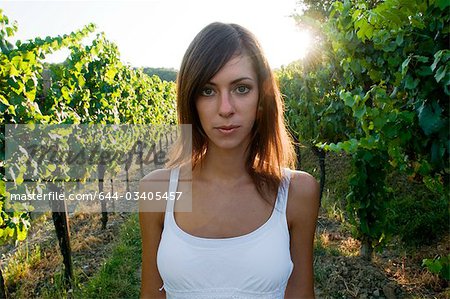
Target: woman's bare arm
(151,224)
(302,212)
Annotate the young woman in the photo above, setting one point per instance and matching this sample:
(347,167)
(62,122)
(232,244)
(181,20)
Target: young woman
(250,233)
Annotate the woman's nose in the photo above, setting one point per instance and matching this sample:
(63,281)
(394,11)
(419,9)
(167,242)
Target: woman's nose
(226,107)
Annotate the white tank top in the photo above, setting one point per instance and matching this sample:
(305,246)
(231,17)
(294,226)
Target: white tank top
(254,265)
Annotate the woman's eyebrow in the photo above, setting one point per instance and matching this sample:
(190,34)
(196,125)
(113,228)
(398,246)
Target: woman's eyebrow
(234,81)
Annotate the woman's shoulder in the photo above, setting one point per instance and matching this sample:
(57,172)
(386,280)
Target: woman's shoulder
(303,195)
(155,182)
(153,188)
(302,183)
(162,174)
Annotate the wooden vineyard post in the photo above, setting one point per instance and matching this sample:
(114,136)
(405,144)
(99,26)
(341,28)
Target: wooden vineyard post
(321,154)
(159,156)
(140,151)
(155,159)
(61,223)
(112,192)
(127,178)
(101,175)
(2,286)
(127,168)
(59,211)
(297,151)
(167,141)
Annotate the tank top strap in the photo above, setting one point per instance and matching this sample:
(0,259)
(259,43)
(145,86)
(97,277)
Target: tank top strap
(173,184)
(282,195)
(283,190)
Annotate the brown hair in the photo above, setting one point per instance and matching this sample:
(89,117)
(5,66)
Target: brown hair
(270,147)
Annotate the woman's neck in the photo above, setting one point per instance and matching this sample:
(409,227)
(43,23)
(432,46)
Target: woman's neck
(223,165)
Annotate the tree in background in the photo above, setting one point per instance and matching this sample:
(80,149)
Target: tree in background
(315,113)
(91,87)
(164,74)
(395,65)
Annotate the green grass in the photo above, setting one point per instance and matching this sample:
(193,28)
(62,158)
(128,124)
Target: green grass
(337,169)
(321,249)
(24,259)
(119,276)
(56,288)
(20,266)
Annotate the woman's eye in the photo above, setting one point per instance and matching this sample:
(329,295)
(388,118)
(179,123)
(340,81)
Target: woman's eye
(242,89)
(207,92)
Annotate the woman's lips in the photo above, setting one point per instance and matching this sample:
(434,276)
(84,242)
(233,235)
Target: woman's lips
(226,130)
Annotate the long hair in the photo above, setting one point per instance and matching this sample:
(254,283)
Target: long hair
(270,146)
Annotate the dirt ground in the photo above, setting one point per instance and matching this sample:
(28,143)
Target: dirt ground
(394,273)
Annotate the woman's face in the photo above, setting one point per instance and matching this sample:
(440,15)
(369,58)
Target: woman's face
(227,104)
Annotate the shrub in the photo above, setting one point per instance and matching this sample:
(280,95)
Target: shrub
(418,218)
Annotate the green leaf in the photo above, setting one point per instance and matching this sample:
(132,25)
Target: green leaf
(359,111)
(399,39)
(432,183)
(421,58)
(437,58)
(81,81)
(65,93)
(375,75)
(110,74)
(379,122)
(432,265)
(2,189)
(440,73)
(356,14)
(437,152)
(19,179)
(364,226)
(13,71)
(9,31)
(348,99)
(389,47)
(21,233)
(443,4)
(410,82)
(405,65)
(16,62)
(424,71)
(3,100)
(430,118)
(11,110)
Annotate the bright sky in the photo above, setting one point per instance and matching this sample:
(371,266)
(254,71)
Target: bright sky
(155,33)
